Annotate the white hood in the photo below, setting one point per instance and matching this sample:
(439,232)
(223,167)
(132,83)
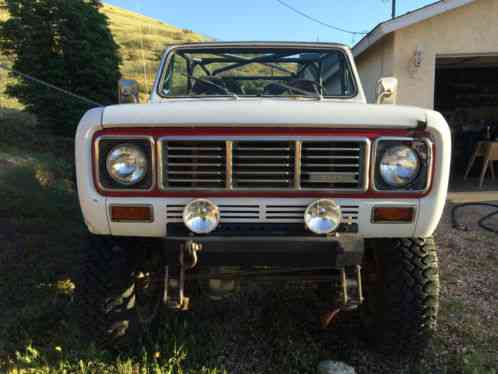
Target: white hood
(261,113)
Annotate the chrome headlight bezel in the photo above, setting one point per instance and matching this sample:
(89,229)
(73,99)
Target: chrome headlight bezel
(105,144)
(420,182)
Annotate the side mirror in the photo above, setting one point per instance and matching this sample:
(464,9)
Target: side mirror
(128,91)
(387,90)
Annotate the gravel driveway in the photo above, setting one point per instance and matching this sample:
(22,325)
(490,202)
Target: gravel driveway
(267,330)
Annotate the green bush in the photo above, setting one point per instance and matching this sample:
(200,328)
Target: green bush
(65,43)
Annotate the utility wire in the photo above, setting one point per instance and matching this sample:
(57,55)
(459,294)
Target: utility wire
(142,49)
(49,85)
(288,6)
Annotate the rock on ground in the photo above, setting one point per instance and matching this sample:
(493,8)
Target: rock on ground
(335,367)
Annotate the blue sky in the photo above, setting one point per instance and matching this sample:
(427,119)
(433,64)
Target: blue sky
(268,19)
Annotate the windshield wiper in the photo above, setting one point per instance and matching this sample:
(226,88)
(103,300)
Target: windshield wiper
(291,88)
(214,84)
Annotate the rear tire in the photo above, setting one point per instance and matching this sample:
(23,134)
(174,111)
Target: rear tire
(401,284)
(120,291)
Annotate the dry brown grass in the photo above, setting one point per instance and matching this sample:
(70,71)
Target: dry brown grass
(142,40)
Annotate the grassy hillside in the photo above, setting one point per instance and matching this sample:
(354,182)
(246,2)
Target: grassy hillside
(142,40)
(5,101)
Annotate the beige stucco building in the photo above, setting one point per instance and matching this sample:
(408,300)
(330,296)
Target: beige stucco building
(445,57)
(411,46)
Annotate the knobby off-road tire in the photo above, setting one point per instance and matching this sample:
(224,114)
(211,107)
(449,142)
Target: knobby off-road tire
(401,283)
(119,293)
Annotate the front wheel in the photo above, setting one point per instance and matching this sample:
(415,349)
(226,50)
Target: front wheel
(401,283)
(120,290)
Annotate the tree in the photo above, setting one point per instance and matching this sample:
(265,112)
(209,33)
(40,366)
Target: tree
(66,43)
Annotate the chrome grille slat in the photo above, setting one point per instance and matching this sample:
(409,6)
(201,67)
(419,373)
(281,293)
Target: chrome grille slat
(332,172)
(326,157)
(262,165)
(263,172)
(194,164)
(332,165)
(264,149)
(266,157)
(266,180)
(195,148)
(238,214)
(194,156)
(189,172)
(258,163)
(194,180)
(331,149)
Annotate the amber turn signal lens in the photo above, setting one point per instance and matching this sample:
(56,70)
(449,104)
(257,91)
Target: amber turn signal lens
(131,213)
(393,214)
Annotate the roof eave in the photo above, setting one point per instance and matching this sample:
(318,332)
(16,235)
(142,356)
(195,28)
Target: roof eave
(405,20)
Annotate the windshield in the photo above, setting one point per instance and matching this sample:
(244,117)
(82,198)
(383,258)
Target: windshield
(257,72)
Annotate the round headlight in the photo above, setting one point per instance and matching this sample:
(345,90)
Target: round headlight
(126,164)
(399,166)
(201,216)
(322,216)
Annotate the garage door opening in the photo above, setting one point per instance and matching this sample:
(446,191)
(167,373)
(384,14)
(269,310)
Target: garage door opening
(466,93)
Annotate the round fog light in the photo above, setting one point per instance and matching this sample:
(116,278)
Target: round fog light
(201,216)
(322,216)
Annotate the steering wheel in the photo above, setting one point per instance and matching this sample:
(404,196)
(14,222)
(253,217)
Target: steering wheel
(306,84)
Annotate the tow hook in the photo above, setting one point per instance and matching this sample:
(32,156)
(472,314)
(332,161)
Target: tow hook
(350,294)
(351,287)
(175,286)
(188,255)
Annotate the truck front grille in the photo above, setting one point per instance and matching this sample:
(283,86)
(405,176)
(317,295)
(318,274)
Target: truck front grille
(193,164)
(263,164)
(333,164)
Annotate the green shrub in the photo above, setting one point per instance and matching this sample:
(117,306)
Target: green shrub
(82,58)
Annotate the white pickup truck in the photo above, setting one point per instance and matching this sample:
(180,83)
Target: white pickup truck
(262,161)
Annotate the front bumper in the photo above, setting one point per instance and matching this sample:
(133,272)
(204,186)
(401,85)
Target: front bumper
(338,251)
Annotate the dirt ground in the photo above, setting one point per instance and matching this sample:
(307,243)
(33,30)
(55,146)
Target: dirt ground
(266,327)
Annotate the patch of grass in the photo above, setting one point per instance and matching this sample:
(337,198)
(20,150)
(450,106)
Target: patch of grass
(473,362)
(41,224)
(21,138)
(467,344)
(454,307)
(32,360)
(41,237)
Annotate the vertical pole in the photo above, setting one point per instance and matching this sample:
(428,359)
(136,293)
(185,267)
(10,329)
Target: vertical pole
(393,13)
(3,91)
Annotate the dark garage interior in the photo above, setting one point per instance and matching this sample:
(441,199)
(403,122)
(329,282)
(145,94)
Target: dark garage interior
(466,93)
